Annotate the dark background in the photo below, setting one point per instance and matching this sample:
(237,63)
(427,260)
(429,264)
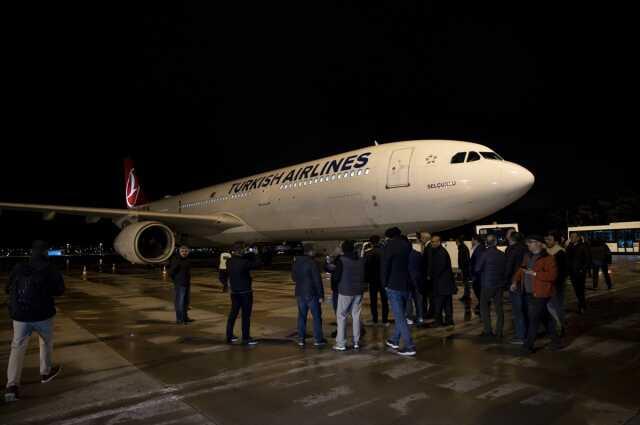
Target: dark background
(204,94)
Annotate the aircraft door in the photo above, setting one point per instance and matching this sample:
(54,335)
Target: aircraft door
(398,172)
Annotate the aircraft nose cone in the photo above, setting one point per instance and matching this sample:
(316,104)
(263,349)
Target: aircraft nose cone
(517,179)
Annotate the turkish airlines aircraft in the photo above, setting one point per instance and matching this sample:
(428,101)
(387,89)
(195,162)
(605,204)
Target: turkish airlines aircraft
(416,185)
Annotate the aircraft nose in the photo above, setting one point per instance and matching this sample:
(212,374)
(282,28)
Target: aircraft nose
(517,179)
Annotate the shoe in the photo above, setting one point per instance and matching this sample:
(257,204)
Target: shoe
(55,370)
(250,341)
(232,339)
(516,341)
(320,343)
(301,343)
(391,344)
(356,346)
(339,348)
(408,352)
(11,394)
(189,320)
(524,351)
(409,321)
(555,347)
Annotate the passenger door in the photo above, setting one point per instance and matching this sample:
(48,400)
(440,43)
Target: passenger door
(399,164)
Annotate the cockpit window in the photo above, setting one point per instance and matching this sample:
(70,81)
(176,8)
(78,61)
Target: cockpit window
(458,158)
(473,156)
(491,155)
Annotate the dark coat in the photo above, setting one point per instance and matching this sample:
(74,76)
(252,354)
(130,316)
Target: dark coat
(562,267)
(439,272)
(600,253)
(239,268)
(416,268)
(43,283)
(491,266)
(513,259)
(477,253)
(578,258)
(306,274)
(464,261)
(372,266)
(395,264)
(180,271)
(350,275)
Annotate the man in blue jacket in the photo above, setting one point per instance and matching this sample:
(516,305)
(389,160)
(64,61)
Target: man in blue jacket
(309,293)
(396,279)
(490,267)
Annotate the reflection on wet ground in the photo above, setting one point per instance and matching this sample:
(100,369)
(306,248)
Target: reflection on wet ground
(126,362)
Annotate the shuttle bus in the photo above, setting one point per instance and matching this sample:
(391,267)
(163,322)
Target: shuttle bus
(621,238)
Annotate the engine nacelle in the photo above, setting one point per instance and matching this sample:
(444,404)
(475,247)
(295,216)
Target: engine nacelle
(145,242)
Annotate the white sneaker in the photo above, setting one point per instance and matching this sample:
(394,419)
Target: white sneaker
(339,348)
(409,321)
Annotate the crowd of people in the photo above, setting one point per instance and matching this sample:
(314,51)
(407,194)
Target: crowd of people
(411,279)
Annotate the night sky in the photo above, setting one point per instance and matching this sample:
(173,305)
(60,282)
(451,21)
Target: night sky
(203,94)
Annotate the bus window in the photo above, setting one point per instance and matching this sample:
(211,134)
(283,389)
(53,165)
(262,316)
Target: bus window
(499,232)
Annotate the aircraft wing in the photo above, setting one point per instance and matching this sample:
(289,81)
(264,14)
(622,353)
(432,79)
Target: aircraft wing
(214,223)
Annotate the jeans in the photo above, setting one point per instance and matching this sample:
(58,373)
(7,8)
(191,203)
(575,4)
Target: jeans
(304,305)
(239,302)
(596,274)
(181,302)
(21,333)
(578,281)
(443,303)
(519,311)
(348,304)
(556,305)
(398,300)
(374,290)
(493,296)
(537,311)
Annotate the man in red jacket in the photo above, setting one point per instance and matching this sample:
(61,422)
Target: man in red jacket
(536,277)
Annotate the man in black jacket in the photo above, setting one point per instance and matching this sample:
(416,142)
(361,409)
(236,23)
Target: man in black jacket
(600,258)
(578,262)
(372,265)
(477,248)
(491,267)
(514,254)
(440,275)
(396,280)
(180,273)
(239,266)
(464,260)
(31,288)
(309,293)
(350,275)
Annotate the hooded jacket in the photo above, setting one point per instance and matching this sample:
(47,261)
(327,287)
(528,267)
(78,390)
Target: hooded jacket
(31,288)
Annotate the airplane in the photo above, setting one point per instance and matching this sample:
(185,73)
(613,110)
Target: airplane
(415,185)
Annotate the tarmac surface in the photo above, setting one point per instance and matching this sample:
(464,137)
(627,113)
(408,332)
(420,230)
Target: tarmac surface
(125,361)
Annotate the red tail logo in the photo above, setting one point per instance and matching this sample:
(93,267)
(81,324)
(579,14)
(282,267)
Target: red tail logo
(133,191)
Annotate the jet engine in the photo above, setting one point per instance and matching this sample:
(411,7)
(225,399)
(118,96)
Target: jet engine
(145,242)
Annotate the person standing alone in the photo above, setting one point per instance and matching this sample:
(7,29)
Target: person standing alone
(180,273)
(32,288)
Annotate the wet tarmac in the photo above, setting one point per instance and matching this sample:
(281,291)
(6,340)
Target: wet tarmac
(125,361)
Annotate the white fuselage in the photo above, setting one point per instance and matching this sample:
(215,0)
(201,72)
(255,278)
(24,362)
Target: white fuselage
(412,185)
